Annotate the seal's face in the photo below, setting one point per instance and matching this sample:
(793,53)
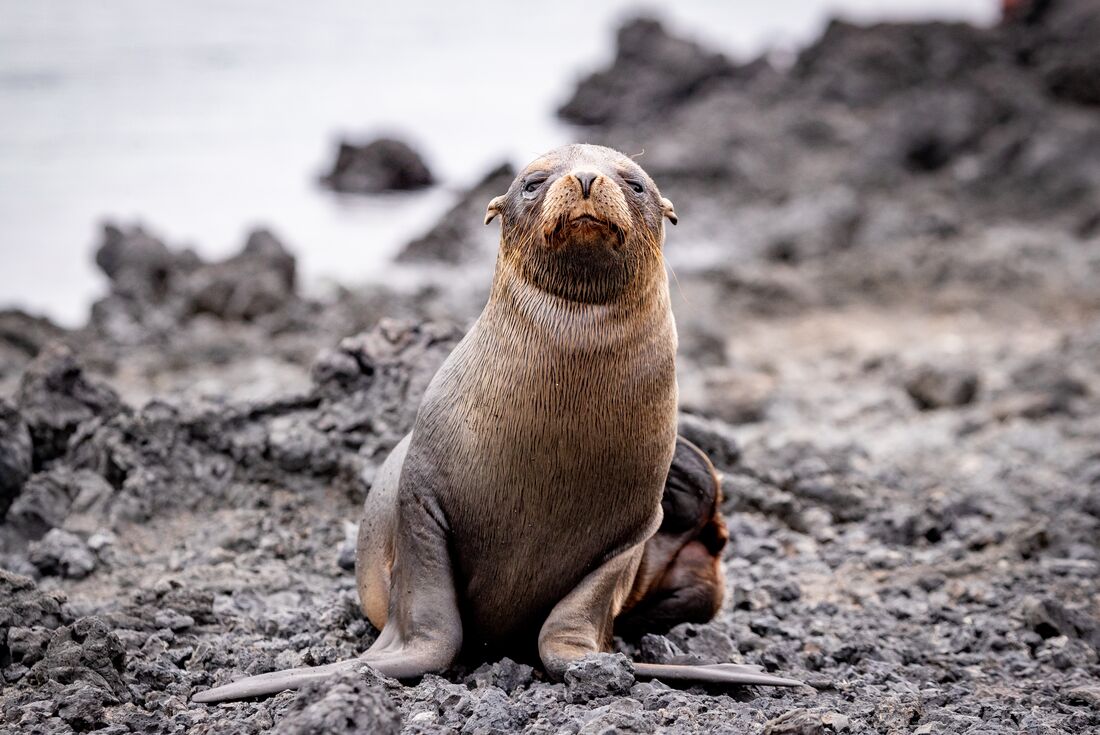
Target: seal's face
(582,219)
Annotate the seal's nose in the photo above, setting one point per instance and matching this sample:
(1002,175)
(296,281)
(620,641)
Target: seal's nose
(586,178)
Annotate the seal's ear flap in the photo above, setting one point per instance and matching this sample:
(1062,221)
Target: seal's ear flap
(494,208)
(669,211)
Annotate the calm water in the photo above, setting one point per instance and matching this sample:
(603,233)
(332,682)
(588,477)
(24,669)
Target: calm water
(203,118)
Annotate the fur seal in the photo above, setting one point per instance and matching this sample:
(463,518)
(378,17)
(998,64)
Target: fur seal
(543,496)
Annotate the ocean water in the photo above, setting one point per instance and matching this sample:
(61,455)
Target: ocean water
(202,119)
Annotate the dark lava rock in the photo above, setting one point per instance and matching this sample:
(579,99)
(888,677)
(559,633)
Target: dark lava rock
(55,397)
(124,466)
(82,706)
(505,674)
(930,128)
(87,651)
(714,437)
(27,645)
(259,280)
(380,374)
(152,461)
(1058,39)
(22,337)
(139,265)
(345,558)
(657,649)
(172,597)
(145,276)
(49,497)
(350,702)
(15,455)
(807,722)
(460,236)
(653,71)
(933,387)
(1045,386)
(26,333)
(814,226)
(156,290)
(62,554)
(381,165)
(1041,164)
(861,65)
(1091,502)
(493,711)
(27,618)
(598,675)
(808,476)
(1049,617)
(1086,695)
(734,395)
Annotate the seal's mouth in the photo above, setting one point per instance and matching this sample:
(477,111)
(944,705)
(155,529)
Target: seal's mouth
(586,227)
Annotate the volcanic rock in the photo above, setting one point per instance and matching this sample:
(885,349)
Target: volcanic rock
(381,165)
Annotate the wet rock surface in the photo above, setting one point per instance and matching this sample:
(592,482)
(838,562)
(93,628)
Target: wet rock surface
(890,346)
(381,165)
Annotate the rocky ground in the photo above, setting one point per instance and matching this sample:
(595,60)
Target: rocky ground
(886,285)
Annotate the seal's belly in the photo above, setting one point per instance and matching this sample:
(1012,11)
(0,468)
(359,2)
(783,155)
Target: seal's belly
(562,500)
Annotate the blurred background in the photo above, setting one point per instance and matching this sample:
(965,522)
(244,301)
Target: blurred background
(205,119)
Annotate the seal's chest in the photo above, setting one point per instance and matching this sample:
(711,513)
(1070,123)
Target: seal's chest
(552,433)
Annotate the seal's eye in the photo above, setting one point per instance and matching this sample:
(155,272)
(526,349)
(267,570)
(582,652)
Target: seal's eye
(531,186)
(636,185)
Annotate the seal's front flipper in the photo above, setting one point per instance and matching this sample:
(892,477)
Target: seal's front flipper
(713,674)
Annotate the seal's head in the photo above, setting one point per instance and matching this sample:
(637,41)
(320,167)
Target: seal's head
(582,222)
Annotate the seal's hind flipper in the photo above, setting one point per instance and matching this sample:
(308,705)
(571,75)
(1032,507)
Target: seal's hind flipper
(739,674)
(680,578)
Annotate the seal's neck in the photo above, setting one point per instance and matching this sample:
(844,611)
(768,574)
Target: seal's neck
(633,310)
(583,274)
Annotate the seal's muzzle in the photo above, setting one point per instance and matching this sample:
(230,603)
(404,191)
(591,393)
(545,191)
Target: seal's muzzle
(585,208)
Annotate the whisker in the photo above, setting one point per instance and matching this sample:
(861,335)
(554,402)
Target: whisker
(676,280)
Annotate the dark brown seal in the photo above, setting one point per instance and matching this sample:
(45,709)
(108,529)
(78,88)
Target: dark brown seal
(533,505)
